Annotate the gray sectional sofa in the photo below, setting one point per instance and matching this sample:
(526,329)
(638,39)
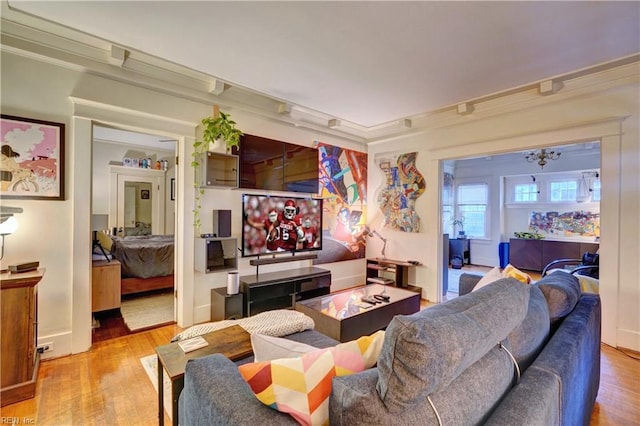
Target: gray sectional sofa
(453,364)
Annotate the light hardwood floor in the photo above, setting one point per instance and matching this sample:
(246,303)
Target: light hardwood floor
(108,386)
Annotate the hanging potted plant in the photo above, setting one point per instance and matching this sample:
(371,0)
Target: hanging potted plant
(219,130)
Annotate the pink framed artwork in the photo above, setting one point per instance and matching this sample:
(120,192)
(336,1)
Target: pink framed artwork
(32,160)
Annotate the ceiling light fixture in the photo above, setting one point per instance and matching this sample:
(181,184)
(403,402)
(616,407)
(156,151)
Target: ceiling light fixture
(542,156)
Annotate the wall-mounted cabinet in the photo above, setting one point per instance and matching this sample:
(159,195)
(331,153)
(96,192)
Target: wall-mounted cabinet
(278,166)
(218,170)
(216,254)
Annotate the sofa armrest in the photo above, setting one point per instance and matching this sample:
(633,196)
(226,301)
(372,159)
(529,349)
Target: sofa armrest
(467,282)
(572,355)
(215,393)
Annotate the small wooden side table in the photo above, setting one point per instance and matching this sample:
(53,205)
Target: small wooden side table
(105,285)
(233,342)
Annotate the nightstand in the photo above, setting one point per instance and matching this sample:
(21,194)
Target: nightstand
(105,285)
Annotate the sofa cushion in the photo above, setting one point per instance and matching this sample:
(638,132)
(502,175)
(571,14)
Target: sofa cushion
(267,348)
(527,340)
(492,276)
(301,386)
(425,351)
(562,292)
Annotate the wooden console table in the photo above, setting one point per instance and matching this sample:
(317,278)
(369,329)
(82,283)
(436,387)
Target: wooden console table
(19,328)
(534,255)
(233,342)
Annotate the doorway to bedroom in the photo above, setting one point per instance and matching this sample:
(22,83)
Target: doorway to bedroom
(133,223)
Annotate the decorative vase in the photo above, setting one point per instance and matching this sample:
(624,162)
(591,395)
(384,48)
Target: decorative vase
(219,145)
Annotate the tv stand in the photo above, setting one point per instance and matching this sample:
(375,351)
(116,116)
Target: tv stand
(282,289)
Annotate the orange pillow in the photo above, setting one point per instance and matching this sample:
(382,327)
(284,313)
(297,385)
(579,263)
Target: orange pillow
(513,272)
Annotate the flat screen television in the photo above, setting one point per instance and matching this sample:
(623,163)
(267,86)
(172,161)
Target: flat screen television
(279,224)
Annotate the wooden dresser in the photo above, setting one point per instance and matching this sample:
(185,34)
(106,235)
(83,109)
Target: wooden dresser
(19,328)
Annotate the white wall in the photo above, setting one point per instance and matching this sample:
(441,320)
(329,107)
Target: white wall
(56,233)
(51,231)
(604,107)
(106,153)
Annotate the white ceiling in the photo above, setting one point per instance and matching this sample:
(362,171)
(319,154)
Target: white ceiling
(367,63)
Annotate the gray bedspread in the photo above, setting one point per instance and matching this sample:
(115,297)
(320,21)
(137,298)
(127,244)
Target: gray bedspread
(144,256)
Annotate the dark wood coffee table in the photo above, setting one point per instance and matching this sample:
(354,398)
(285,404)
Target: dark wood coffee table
(233,342)
(343,316)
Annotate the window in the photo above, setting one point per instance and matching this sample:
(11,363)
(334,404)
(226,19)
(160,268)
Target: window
(525,192)
(472,205)
(595,191)
(564,191)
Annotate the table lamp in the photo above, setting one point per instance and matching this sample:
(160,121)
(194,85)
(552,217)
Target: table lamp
(99,222)
(8,223)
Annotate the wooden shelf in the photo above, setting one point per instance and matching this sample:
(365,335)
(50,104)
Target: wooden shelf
(399,269)
(219,170)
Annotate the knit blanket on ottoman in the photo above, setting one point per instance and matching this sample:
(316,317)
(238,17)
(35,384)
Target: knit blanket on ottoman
(276,323)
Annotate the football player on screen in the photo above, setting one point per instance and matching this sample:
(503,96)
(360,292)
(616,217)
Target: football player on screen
(287,228)
(310,238)
(272,238)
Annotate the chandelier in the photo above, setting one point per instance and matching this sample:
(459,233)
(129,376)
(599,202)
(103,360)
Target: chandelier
(542,156)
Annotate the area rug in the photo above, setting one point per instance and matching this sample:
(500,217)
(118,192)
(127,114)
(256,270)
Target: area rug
(147,311)
(150,365)
(454,278)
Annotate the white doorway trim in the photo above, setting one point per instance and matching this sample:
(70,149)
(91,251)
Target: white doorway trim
(609,132)
(86,113)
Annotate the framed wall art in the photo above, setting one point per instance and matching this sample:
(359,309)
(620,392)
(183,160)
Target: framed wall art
(32,160)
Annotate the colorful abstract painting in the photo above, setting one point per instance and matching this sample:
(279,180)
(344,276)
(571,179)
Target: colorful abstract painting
(343,187)
(397,196)
(566,224)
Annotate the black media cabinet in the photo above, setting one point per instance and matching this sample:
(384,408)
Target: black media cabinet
(280,290)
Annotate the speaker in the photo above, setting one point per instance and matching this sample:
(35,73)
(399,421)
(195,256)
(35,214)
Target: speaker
(225,306)
(222,223)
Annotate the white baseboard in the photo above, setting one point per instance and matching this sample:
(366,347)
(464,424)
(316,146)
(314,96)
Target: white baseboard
(60,343)
(629,339)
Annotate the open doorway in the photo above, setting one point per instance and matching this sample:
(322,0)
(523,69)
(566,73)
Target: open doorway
(133,223)
(480,192)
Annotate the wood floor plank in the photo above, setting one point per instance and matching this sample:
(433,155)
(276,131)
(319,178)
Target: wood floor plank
(108,385)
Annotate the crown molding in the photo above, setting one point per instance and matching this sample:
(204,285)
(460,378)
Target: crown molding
(39,39)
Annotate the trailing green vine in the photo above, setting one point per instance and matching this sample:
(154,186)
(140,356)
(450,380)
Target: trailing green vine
(214,128)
